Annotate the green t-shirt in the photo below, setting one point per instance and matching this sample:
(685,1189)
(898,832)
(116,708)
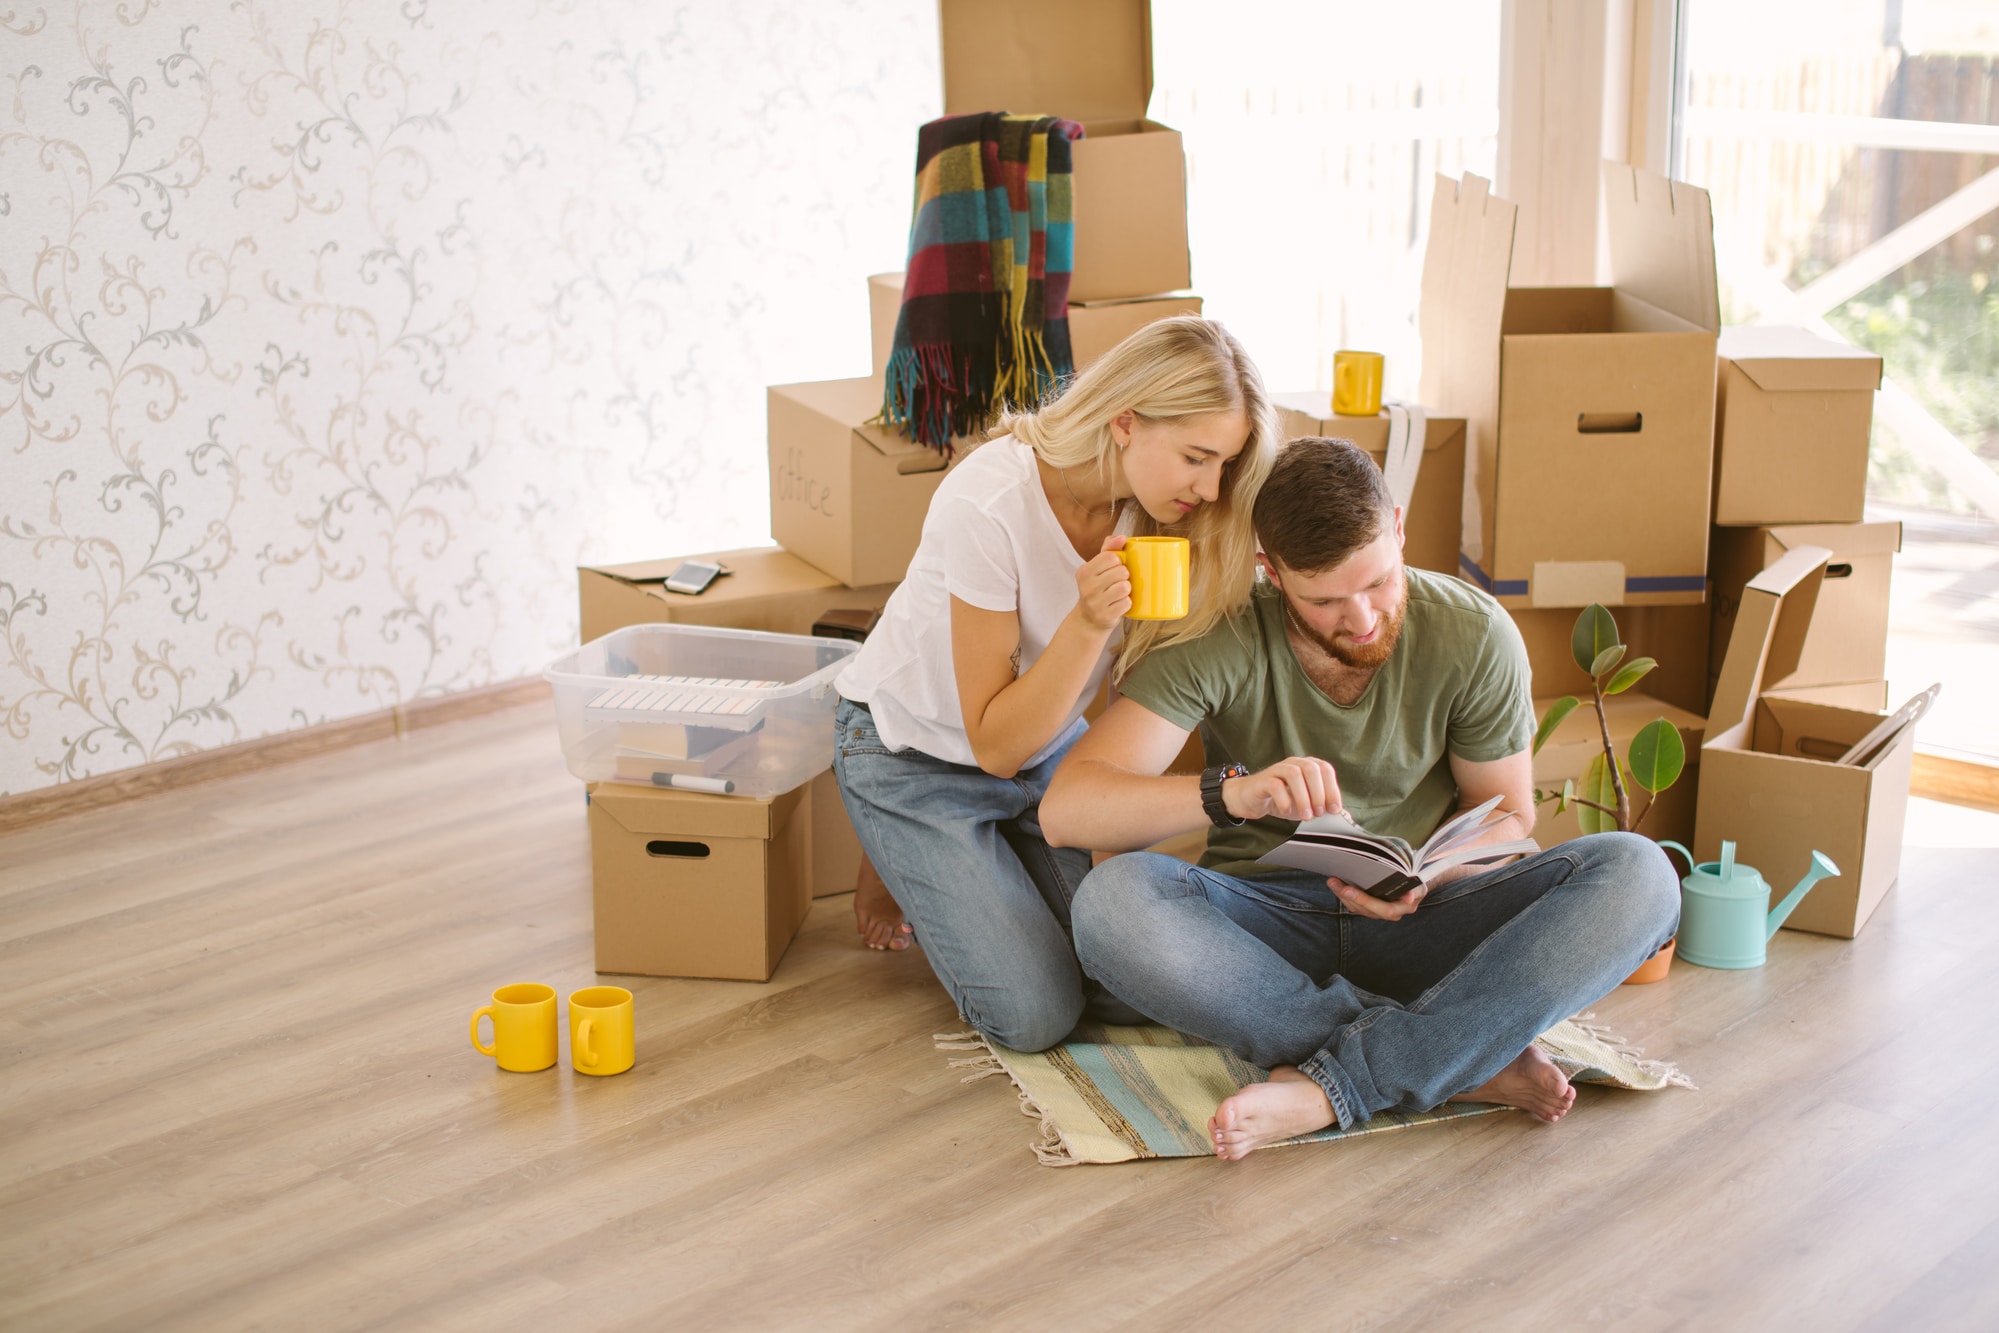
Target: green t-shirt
(1457,683)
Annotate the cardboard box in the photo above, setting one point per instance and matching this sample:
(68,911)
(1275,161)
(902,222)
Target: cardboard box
(1869,696)
(1579,739)
(1793,412)
(767,589)
(690,885)
(1768,783)
(1430,527)
(1848,639)
(1589,410)
(847,497)
(1673,636)
(1094,326)
(884,308)
(1090,61)
(836,852)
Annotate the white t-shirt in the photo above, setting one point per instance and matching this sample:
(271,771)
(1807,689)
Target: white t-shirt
(990,539)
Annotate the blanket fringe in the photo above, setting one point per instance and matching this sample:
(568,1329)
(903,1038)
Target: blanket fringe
(1049,1149)
(1664,1069)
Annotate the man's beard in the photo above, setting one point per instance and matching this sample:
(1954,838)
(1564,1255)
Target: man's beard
(1361,656)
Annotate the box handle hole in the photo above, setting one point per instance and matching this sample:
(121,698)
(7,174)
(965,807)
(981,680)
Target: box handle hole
(1811,747)
(1839,571)
(1609,423)
(662,847)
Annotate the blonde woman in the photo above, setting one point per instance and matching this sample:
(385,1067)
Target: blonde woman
(969,692)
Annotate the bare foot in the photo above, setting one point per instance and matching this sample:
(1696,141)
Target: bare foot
(1289,1104)
(1532,1083)
(876,917)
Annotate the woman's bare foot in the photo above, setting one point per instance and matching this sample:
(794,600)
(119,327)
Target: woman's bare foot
(876,916)
(1289,1104)
(1532,1083)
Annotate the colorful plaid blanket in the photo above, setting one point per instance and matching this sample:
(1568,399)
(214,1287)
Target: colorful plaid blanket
(984,324)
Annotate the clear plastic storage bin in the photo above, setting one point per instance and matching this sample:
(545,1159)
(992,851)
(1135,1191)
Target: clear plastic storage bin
(697,708)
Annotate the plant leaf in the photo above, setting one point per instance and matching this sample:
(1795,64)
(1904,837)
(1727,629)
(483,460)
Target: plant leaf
(1595,631)
(1657,755)
(1630,674)
(1557,710)
(1596,786)
(1568,796)
(1606,659)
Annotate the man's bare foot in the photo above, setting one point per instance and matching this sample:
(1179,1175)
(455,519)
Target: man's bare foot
(1289,1104)
(876,915)
(1532,1083)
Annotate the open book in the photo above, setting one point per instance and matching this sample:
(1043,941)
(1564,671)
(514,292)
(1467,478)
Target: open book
(1384,867)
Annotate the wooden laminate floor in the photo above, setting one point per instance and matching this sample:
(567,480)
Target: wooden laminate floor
(237,1093)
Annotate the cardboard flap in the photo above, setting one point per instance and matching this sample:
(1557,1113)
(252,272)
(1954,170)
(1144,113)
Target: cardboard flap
(1088,60)
(687,814)
(1463,300)
(910,457)
(1662,243)
(1780,359)
(1769,634)
(1844,540)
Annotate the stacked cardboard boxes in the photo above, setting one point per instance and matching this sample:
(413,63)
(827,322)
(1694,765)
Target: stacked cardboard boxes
(1621,448)
(697,885)
(849,497)
(1798,661)
(1589,433)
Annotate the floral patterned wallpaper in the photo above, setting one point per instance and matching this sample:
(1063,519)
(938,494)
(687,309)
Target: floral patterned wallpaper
(333,336)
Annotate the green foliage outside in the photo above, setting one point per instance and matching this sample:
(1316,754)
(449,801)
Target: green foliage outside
(1938,334)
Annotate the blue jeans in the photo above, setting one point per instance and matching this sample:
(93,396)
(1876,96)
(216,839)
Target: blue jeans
(1382,1015)
(962,854)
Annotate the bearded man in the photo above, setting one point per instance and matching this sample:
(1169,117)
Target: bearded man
(1400,697)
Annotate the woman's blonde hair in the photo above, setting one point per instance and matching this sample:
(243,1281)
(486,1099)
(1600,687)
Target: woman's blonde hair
(1172,369)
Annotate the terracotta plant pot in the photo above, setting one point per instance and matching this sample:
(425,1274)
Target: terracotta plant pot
(1653,968)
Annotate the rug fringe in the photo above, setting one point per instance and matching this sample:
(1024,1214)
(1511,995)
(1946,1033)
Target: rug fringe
(1049,1149)
(1664,1069)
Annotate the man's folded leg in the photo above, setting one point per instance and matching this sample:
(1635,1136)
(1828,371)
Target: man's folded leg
(1279,972)
(1510,953)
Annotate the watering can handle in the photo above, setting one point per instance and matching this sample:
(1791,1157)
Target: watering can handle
(1728,860)
(1665,843)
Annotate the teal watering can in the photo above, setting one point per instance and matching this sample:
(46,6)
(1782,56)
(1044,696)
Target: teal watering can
(1725,913)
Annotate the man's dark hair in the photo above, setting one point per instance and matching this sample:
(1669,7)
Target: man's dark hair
(1323,501)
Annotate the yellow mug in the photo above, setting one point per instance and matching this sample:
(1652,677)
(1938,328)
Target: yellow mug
(1357,384)
(600,1030)
(1161,568)
(523,1027)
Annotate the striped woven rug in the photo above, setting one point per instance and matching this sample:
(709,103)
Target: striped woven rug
(1120,1094)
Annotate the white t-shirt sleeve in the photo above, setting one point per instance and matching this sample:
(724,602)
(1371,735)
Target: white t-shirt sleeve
(979,565)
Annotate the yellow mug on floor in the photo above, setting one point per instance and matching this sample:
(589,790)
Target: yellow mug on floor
(1357,384)
(600,1030)
(523,1027)
(1161,568)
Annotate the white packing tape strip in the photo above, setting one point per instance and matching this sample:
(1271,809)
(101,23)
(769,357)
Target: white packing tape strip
(1408,428)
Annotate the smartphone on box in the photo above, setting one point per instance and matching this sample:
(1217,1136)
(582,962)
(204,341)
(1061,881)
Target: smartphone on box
(693,577)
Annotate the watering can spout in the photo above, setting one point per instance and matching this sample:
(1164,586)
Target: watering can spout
(1821,868)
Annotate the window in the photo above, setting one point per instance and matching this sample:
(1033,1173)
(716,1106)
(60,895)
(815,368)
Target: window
(1852,153)
(1314,133)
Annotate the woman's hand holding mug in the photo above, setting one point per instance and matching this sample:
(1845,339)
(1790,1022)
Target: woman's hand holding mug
(1103,587)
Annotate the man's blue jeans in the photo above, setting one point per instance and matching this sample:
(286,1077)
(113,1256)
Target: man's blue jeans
(1382,1015)
(962,853)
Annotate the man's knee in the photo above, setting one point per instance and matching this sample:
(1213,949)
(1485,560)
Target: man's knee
(1029,1022)
(1640,878)
(1112,901)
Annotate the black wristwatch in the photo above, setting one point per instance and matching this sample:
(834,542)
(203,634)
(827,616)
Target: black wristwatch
(1211,793)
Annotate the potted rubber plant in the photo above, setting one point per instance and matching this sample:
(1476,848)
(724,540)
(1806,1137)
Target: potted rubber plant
(1653,761)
